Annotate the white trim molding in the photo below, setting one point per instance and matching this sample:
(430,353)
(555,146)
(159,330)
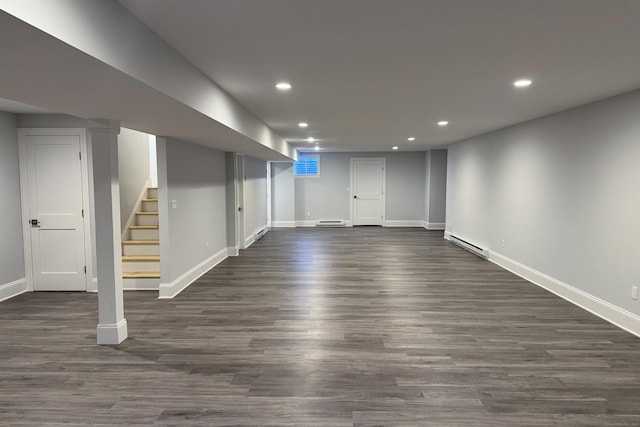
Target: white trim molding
(314,223)
(434,225)
(170,290)
(140,284)
(112,333)
(402,223)
(283,224)
(603,309)
(233,251)
(136,208)
(13,289)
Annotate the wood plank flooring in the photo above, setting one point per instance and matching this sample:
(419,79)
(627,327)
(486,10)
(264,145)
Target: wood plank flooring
(324,327)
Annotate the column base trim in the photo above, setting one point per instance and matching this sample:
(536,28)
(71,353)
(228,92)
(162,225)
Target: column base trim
(112,334)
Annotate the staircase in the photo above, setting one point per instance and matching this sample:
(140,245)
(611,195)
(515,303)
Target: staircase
(141,250)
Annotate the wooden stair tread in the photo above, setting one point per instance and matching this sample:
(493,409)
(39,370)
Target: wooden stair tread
(144,227)
(146,213)
(149,200)
(141,242)
(141,258)
(141,275)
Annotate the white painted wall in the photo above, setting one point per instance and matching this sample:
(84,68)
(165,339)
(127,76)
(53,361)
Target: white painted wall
(196,180)
(255,196)
(133,164)
(282,194)
(436,190)
(11,245)
(328,196)
(563,194)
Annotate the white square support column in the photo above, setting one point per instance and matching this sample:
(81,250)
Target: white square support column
(112,326)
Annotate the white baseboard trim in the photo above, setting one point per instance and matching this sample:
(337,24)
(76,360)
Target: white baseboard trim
(233,251)
(312,223)
(403,223)
(170,290)
(249,240)
(434,225)
(12,289)
(283,224)
(140,284)
(447,235)
(603,309)
(111,334)
(93,285)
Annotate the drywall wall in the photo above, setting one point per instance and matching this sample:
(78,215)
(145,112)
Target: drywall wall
(11,246)
(255,196)
(196,181)
(283,212)
(133,166)
(327,196)
(436,192)
(558,198)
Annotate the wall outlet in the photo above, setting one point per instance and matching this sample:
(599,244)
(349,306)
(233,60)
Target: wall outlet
(504,243)
(174,204)
(634,292)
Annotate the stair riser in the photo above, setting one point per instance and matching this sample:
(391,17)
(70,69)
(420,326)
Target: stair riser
(140,250)
(133,266)
(152,193)
(146,219)
(149,206)
(144,234)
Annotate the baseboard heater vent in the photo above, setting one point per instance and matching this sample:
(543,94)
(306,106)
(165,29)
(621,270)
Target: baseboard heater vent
(260,233)
(469,246)
(331,223)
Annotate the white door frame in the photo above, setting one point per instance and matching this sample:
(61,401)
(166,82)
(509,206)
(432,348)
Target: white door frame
(269,200)
(352,187)
(24,198)
(240,174)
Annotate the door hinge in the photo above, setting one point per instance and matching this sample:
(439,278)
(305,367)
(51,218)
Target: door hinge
(82,213)
(85,269)
(80,155)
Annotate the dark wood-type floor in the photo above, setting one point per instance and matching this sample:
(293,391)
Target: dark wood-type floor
(324,327)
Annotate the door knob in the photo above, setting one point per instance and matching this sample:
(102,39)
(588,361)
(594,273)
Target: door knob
(34,223)
(355,197)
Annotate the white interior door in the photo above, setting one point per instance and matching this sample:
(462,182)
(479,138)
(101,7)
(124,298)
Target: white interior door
(55,212)
(367,191)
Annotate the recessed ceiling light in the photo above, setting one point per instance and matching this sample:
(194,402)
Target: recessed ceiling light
(411,139)
(283,86)
(303,124)
(443,123)
(311,139)
(317,148)
(394,147)
(522,83)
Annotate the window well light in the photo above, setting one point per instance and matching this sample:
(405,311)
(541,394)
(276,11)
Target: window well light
(311,139)
(395,147)
(411,138)
(522,83)
(283,86)
(303,124)
(443,123)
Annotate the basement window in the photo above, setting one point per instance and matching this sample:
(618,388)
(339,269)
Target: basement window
(308,166)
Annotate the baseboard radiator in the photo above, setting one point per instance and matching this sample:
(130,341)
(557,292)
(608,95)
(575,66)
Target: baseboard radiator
(260,233)
(469,246)
(331,223)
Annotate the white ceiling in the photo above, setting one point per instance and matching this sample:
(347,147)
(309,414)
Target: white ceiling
(367,74)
